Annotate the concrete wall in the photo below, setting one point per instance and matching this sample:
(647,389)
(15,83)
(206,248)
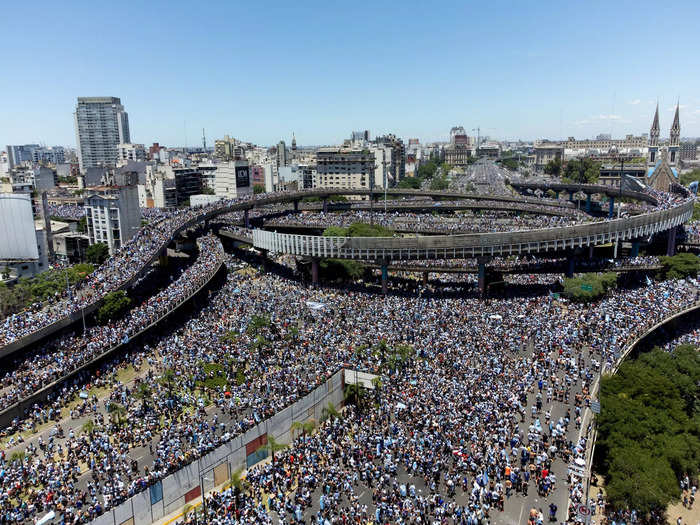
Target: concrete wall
(19,409)
(173,492)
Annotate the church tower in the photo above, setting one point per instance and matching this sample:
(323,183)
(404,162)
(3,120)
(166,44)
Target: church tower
(653,154)
(674,142)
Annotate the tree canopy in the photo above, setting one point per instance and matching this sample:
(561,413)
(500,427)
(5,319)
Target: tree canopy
(649,428)
(343,269)
(114,304)
(583,171)
(40,287)
(589,286)
(97,253)
(553,167)
(679,266)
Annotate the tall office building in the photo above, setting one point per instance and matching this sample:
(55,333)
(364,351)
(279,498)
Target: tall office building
(101,124)
(282,158)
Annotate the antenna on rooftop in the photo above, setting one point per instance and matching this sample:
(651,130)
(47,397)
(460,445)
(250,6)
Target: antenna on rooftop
(204,141)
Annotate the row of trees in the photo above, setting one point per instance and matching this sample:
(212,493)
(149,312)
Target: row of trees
(591,286)
(433,170)
(39,288)
(582,171)
(649,428)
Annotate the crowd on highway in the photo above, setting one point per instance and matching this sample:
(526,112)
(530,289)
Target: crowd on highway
(425,222)
(470,386)
(37,369)
(486,405)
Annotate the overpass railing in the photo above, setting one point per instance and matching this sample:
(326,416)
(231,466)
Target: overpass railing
(18,409)
(475,245)
(210,211)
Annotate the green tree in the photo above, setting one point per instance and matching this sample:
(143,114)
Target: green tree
(439,183)
(272,447)
(335,231)
(583,171)
(330,412)
(114,305)
(553,167)
(692,176)
(257,323)
(679,266)
(145,394)
(410,183)
(362,229)
(649,428)
(589,286)
(354,394)
(117,412)
(168,380)
(258,188)
(88,427)
(305,427)
(97,253)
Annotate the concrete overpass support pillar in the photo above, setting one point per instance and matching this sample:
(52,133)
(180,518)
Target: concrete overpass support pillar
(425,277)
(671,246)
(590,252)
(314,270)
(611,209)
(163,260)
(588,203)
(482,277)
(296,206)
(635,249)
(570,266)
(246,218)
(325,205)
(571,196)
(385,277)
(557,194)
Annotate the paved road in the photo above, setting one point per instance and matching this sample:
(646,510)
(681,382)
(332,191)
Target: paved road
(485,177)
(517,507)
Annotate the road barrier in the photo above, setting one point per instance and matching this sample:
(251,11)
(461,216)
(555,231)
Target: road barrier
(184,485)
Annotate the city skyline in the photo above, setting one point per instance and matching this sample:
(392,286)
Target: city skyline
(517,73)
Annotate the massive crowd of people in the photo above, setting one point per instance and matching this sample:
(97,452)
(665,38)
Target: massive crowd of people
(486,404)
(425,222)
(470,386)
(39,368)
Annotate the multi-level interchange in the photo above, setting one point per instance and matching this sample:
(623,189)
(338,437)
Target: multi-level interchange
(471,400)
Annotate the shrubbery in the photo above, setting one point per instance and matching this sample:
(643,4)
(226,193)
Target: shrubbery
(345,269)
(40,287)
(679,266)
(114,305)
(589,287)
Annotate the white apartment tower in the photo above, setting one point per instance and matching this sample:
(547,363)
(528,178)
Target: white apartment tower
(101,124)
(113,217)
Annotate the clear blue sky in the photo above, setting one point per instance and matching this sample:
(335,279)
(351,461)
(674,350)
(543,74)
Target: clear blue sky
(321,69)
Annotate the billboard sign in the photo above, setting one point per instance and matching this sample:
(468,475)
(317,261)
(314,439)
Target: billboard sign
(17,232)
(242,177)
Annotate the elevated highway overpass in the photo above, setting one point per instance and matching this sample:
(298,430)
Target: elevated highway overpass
(385,249)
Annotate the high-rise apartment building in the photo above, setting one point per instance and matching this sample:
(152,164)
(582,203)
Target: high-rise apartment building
(35,154)
(113,216)
(344,168)
(101,124)
(282,157)
(397,170)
